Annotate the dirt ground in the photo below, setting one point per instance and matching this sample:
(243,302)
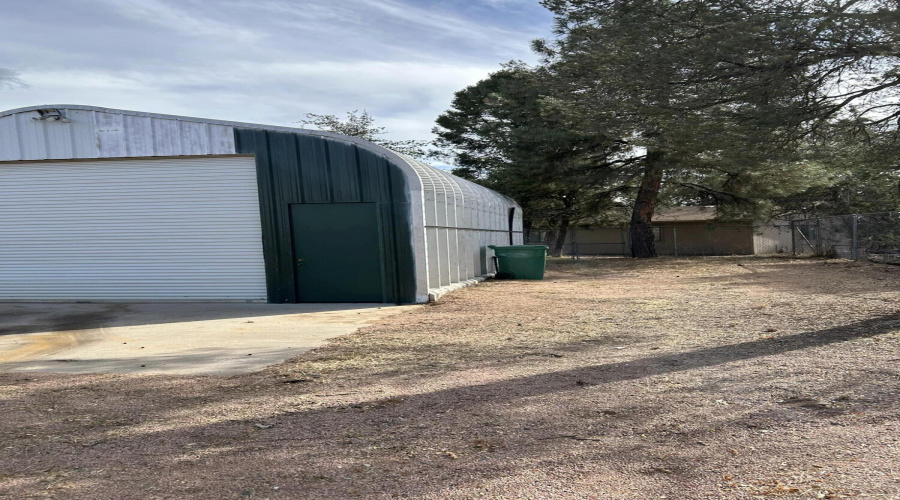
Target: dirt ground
(612,379)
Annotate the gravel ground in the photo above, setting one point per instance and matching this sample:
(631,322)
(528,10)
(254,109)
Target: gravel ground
(675,379)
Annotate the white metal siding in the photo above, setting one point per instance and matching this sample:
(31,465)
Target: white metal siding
(461,219)
(131,229)
(90,133)
(772,239)
(453,220)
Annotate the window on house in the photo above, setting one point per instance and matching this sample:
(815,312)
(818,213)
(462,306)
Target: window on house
(657,233)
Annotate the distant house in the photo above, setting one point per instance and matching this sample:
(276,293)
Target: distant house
(679,231)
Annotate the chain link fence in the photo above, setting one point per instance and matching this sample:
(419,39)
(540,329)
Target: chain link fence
(583,242)
(679,240)
(874,237)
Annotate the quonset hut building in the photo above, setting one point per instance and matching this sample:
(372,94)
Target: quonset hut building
(106,204)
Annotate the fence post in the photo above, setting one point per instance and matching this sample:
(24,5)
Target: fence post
(854,251)
(794,238)
(819,251)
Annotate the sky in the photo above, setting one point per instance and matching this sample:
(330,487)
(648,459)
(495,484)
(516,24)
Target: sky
(262,61)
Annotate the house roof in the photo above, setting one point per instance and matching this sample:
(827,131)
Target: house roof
(685,214)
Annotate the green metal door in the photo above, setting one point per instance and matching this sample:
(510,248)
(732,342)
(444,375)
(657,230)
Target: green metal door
(337,255)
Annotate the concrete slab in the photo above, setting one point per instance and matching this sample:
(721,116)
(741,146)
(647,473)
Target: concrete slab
(172,338)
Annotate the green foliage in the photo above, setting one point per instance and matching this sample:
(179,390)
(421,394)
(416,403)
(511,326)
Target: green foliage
(761,108)
(730,94)
(504,132)
(859,173)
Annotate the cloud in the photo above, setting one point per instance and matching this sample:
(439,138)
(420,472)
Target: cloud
(439,24)
(404,96)
(500,3)
(10,79)
(177,18)
(264,61)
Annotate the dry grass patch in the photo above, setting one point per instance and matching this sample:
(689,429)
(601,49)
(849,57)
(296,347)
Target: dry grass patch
(676,378)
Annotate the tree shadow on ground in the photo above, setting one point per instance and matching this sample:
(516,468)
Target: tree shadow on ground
(43,317)
(347,443)
(784,276)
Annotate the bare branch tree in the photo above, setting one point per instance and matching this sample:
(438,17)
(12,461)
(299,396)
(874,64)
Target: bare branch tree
(362,125)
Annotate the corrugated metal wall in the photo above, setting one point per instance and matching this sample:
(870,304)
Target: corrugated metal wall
(299,168)
(443,221)
(461,220)
(91,133)
(772,239)
(131,229)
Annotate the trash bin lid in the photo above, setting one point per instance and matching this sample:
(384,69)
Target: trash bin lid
(517,247)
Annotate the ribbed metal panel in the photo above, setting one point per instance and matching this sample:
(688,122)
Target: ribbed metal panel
(108,133)
(164,229)
(301,168)
(461,220)
(446,222)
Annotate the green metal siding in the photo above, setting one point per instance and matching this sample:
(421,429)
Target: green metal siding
(337,252)
(296,168)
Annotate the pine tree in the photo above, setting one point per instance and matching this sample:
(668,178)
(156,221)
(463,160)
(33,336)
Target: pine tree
(502,132)
(719,96)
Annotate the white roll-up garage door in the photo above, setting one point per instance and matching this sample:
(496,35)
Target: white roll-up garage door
(171,229)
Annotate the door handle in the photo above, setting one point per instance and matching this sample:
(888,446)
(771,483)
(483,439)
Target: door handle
(301,262)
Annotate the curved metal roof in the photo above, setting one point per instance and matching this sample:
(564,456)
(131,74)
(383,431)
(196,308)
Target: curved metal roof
(192,119)
(435,177)
(459,216)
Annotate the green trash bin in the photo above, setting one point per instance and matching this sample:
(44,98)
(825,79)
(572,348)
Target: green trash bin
(521,262)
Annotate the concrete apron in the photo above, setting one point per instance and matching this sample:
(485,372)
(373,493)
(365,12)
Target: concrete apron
(171,338)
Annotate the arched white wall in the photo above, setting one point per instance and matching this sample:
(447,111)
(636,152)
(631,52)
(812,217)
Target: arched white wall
(461,219)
